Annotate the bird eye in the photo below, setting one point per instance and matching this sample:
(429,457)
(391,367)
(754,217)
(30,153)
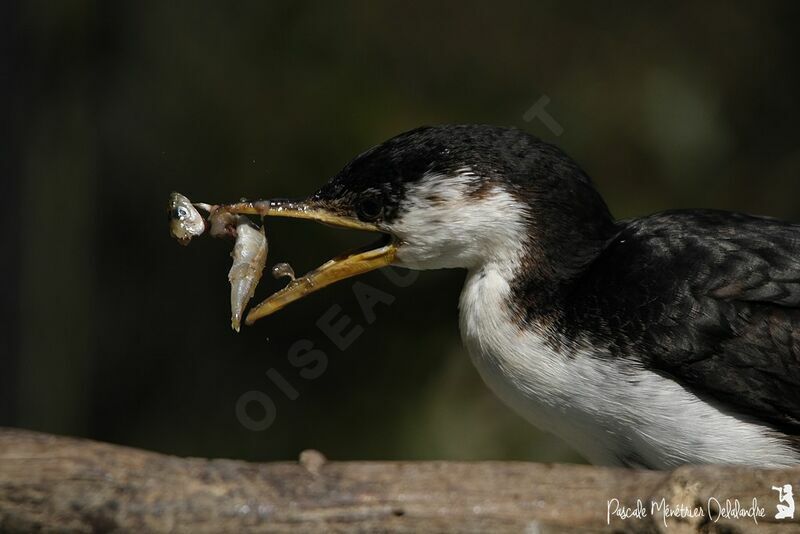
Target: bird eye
(181,212)
(369,209)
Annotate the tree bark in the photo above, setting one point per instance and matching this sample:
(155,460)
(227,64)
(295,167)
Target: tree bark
(53,483)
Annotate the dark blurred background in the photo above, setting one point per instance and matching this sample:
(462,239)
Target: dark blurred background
(111,330)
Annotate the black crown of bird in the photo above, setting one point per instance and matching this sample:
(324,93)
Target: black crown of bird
(651,342)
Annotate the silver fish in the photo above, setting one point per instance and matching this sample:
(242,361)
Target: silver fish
(249,258)
(223,224)
(280,270)
(185,222)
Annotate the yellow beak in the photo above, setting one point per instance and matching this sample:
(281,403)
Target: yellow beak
(339,268)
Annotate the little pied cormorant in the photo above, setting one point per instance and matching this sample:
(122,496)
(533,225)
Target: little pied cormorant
(649,342)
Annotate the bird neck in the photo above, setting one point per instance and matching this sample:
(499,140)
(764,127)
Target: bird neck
(555,254)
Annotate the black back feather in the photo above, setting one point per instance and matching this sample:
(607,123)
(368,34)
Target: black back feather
(710,298)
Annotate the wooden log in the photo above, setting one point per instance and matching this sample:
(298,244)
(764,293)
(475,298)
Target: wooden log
(52,483)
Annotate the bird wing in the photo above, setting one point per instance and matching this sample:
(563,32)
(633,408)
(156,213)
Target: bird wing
(716,306)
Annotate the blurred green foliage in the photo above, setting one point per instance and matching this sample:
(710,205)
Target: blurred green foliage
(117,333)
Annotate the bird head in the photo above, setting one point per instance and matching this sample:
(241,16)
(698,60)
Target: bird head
(453,196)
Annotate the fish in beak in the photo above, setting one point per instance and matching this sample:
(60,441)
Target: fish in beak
(344,266)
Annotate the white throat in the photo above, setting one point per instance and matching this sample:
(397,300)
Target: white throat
(444,224)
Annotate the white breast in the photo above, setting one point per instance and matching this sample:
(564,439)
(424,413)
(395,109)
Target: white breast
(613,412)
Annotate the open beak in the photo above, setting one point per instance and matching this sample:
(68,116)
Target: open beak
(339,268)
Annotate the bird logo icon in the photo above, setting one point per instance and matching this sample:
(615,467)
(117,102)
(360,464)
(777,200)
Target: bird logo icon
(785,511)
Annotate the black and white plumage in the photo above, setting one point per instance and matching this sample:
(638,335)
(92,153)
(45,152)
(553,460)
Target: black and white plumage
(653,342)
